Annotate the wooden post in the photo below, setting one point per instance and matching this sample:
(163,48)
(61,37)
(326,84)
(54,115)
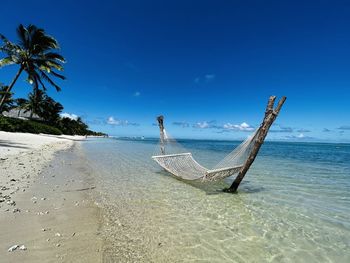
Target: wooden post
(160,120)
(269,118)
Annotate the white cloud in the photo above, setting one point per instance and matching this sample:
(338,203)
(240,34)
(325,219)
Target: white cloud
(201,125)
(300,136)
(238,127)
(137,94)
(116,122)
(69,116)
(113,121)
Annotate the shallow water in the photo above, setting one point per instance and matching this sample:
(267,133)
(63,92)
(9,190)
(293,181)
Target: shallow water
(293,206)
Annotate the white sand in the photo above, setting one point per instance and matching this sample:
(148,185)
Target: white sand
(36,205)
(22,158)
(14,143)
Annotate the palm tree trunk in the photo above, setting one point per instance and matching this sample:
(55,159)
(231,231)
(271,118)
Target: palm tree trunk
(3,99)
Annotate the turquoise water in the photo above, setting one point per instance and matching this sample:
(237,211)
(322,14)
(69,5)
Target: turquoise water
(293,205)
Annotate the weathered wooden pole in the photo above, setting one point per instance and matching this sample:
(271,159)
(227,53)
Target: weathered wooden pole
(269,118)
(160,120)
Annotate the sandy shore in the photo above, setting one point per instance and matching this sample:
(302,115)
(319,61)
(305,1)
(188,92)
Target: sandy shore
(44,201)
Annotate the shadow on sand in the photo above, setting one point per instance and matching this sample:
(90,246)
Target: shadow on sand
(11,144)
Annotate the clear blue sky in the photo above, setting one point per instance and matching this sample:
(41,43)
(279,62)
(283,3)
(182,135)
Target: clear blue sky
(208,66)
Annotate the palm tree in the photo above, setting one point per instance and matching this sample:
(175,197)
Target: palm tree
(41,104)
(51,110)
(36,103)
(8,102)
(35,54)
(22,104)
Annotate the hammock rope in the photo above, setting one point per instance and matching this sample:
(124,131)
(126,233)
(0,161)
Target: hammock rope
(181,163)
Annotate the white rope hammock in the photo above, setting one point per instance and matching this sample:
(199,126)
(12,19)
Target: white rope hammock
(184,166)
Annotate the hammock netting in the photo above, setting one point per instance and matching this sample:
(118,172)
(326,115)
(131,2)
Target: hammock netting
(178,161)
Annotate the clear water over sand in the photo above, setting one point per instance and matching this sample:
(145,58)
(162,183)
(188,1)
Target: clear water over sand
(294,205)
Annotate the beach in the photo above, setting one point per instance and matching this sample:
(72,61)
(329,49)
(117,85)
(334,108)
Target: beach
(45,213)
(106,200)
(175,131)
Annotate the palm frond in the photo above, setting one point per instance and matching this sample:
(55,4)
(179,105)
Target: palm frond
(35,52)
(47,78)
(54,56)
(6,61)
(23,36)
(57,75)
(3,38)
(48,63)
(41,82)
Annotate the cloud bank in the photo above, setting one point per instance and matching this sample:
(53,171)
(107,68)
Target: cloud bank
(69,116)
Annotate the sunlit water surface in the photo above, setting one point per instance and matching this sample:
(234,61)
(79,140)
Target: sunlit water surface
(293,206)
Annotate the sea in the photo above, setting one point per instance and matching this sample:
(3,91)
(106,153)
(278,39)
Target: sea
(292,206)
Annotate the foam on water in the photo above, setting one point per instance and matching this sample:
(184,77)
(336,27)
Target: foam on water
(294,205)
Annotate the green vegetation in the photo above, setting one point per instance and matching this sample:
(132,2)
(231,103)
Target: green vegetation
(18,125)
(64,126)
(36,55)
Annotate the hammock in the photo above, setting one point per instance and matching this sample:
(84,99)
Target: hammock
(184,166)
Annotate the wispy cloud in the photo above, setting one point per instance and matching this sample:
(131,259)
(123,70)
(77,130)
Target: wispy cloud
(69,116)
(183,124)
(96,121)
(137,94)
(238,127)
(206,125)
(303,130)
(326,130)
(204,79)
(344,127)
(300,136)
(116,122)
(280,128)
(209,77)
(201,125)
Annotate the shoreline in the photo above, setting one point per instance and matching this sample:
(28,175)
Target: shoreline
(46,205)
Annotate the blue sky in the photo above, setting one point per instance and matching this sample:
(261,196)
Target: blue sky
(208,66)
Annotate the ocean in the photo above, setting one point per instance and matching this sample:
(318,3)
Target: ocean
(293,205)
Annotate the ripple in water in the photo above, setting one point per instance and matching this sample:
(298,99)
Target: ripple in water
(294,205)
